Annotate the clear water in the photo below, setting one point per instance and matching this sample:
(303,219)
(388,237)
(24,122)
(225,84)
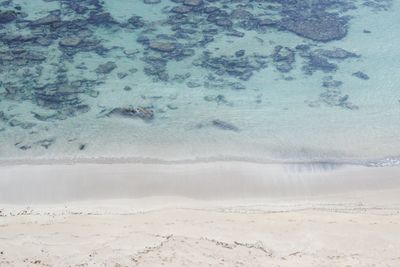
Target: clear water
(202,109)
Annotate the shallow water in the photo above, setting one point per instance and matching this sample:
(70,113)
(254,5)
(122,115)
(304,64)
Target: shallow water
(176,87)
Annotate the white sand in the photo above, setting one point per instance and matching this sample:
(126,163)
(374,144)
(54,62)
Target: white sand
(204,214)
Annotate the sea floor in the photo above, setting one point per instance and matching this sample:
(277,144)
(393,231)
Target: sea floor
(183,80)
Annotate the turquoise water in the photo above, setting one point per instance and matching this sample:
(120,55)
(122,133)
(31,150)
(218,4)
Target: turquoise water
(266,80)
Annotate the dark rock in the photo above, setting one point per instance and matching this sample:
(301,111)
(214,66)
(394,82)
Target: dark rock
(7,16)
(133,70)
(240,53)
(235,33)
(80,9)
(81,109)
(193,84)
(283,58)
(104,18)
(44,41)
(162,46)
(334,97)
(23,125)
(317,62)
(63,97)
(122,75)
(106,68)
(71,41)
(266,22)
(46,143)
(172,107)
(34,56)
(219,99)
(22,147)
(250,24)
(210,9)
(224,125)
(151,2)
(241,14)
(224,22)
(130,112)
(180,78)
(136,22)
(237,86)
(4,117)
(332,83)
(337,53)
(193,2)
(43,117)
(361,75)
(142,39)
(318,27)
(181,9)
(47,20)
(156,67)
(240,67)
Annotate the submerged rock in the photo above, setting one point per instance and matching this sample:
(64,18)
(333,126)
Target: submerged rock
(322,27)
(337,53)
(22,146)
(361,75)
(46,143)
(330,83)
(103,18)
(47,20)
(181,9)
(136,22)
(240,53)
(72,41)
(23,125)
(62,97)
(283,58)
(192,2)
(7,16)
(317,62)
(219,99)
(241,67)
(106,68)
(151,2)
(334,97)
(223,125)
(44,117)
(130,112)
(162,46)
(156,67)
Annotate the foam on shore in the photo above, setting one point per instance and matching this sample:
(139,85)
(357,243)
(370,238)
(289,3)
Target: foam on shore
(213,180)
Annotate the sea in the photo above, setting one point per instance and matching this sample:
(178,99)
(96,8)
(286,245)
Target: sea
(200,80)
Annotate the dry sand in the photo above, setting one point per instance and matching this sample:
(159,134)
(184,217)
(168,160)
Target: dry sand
(204,214)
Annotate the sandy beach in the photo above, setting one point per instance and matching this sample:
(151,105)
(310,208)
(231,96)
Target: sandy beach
(203,214)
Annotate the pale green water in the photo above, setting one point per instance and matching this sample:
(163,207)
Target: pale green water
(274,116)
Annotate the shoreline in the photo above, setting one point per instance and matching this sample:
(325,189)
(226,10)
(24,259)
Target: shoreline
(214,180)
(388,161)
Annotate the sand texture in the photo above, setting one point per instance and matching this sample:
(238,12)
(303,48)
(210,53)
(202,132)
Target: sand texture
(314,227)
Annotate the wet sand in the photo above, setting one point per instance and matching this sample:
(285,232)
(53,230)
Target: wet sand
(199,214)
